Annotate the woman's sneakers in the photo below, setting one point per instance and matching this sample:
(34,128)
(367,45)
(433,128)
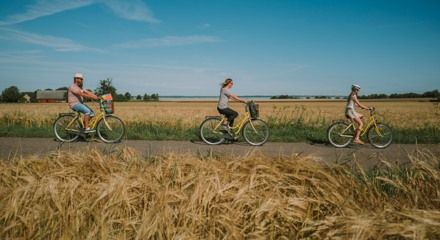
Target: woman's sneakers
(226,129)
(358,141)
(88,130)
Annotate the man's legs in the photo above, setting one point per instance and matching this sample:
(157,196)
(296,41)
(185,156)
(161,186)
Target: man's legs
(87,111)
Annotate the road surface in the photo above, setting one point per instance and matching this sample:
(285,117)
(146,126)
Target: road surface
(366,155)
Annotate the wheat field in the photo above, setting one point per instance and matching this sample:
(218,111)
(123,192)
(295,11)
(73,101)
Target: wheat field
(402,114)
(93,195)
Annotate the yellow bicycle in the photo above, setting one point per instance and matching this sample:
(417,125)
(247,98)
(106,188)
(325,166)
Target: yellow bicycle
(109,128)
(341,133)
(213,130)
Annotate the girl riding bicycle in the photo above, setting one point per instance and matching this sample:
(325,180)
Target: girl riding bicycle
(351,113)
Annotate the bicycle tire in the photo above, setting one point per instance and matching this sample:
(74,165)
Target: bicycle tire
(110,129)
(256,132)
(380,136)
(60,128)
(334,134)
(208,132)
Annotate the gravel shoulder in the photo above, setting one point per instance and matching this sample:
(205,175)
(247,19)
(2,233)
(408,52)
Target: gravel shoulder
(366,155)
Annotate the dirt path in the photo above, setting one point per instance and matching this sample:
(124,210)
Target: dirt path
(366,155)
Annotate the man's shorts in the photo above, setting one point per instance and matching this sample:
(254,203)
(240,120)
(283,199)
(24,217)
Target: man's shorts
(351,113)
(82,108)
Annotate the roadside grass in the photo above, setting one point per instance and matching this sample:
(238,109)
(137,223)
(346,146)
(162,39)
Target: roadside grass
(290,132)
(119,195)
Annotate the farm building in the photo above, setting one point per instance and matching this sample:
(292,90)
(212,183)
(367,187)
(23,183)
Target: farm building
(51,96)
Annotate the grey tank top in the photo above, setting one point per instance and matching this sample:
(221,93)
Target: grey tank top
(224,98)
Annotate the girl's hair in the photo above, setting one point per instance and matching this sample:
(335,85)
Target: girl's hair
(351,94)
(226,82)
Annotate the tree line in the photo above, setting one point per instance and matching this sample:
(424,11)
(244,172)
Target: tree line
(429,94)
(12,94)
(106,86)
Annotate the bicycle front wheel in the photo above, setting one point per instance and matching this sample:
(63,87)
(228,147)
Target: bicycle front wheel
(66,128)
(340,134)
(210,131)
(110,129)
(380,136)
(256,132)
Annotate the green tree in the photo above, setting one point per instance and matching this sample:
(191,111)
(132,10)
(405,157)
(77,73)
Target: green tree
(127,96)
(33,96)
(120,98)
(146,97)
(11,94)
(155,97)
(106,86)
(138,97)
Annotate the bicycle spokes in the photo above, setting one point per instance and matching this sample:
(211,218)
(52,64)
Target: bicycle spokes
(380,135)
(340,134)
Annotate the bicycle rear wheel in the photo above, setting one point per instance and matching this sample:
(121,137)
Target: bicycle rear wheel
(210,131)
(380,136)
(339,134)
(256,132)
(66,128)
(110,129)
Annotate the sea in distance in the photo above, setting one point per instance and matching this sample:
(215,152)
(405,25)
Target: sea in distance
(255,98)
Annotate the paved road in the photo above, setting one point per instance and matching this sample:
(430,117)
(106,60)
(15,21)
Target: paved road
(366,154)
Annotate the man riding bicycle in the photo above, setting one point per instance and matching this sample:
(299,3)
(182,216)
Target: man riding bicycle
(75,98)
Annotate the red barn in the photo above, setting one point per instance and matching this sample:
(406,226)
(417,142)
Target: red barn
(51,96)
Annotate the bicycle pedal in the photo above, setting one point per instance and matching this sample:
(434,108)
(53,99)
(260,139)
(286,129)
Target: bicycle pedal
(84,131)
(232,137)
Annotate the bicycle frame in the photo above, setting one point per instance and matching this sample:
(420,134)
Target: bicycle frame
(93,121)
(370,123)
(237,128)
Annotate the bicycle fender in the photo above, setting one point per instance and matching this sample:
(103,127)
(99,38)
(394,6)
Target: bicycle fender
(66,114)
(341,121)
(214,117)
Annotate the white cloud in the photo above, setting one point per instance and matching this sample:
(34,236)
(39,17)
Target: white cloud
(45,8)
(169,41)
(134,10)
(136,78)
(56,43)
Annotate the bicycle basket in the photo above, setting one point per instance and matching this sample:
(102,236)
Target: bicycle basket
(107,103)
(253,110)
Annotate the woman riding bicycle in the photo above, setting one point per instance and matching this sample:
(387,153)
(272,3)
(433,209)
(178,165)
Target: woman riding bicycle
(351,113)
(223,102)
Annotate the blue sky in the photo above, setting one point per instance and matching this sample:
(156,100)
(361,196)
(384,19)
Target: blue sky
(177,47)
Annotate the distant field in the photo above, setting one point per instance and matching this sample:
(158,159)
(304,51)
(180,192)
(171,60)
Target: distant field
(396,113)
(186,116)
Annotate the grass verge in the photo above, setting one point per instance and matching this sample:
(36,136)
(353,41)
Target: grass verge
(292,132)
